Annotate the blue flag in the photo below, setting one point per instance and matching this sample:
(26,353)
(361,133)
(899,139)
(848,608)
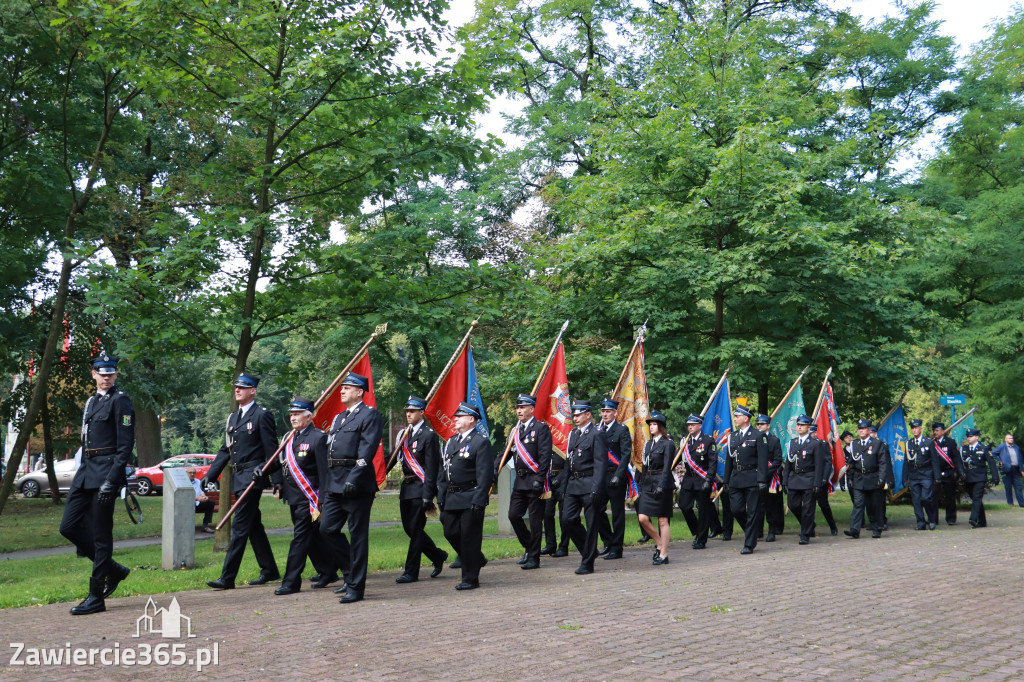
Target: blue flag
(893,432)
(718,423)
(473,394)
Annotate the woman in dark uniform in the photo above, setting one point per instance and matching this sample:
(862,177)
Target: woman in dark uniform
(656,486)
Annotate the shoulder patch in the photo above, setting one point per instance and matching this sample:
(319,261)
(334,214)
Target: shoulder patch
(127,420)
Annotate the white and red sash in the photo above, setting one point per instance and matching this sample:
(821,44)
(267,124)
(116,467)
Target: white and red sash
(943,455)
(300,478)
(690,461)
(530,462)
(410,460)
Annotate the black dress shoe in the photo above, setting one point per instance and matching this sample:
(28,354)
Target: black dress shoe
(547,550)
(657,553)
(851,534)
(834,531)
(114,578)
(221,584)
(603,552)
(349,597)
(439,565)
(712,535)
(286,590)
(876,534)
(699,545)
(324,581)
(885,526)
(522,560)
(584,570)
(746,550)
(532,563)
(804,541)
(94,602)
(559,553)
(660,561)
(973,524)
(456,564)
(770,538)
(950,523)
(405,578)
(466,585)
(812,534)
(265,578)
(341,590)
(612,555)
(316,578)
(727,538)
(921,526)
(931,526)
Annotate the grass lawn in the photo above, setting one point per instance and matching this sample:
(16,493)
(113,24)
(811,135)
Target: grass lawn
(27,582)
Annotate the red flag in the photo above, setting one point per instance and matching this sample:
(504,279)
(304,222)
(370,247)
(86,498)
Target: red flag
(828,431)
(450,393)
(553,404)
(332,406)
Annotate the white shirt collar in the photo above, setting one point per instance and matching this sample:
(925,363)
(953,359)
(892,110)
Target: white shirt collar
(245,408)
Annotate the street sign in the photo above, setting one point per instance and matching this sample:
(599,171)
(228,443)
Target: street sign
(952,400)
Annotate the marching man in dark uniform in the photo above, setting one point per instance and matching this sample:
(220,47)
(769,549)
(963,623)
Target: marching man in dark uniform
(250,439)
(300,485)
(950,468)
(870,462)
(804,475)
(556,547)
(657,486)
(822,494)
(979,467)
(531,458)
(746,474)
(699,462)
(463,487)
(583,484)
(922,474)
(108,437)
(420,454)
(620,453)
(774,505)
(349,483)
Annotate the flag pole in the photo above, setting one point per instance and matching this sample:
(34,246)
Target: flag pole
(961,420)
(540,378)
(821,395)
(790,392)
(622,375)
(393,459)
(890,412)
(707,406)
(380,330)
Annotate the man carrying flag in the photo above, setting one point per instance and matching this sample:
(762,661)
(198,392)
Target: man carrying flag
(419,452)
(531,458)
(950,468)
(746,474)
(620,452)
(350,483)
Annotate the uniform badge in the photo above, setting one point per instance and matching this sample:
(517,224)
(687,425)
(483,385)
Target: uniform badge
(304,447)
(533,434)
(342,421)
(361,462)
(127,420)
(414,444)
(248,426)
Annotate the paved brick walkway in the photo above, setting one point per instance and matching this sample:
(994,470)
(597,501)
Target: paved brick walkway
(913,605)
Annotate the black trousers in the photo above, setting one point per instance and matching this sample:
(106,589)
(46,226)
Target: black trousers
(977,491)
(874,504)
(247,525)
(206,509)
(305,544)
(90,526)
(949,498)
(553,517)
(589,506)
(922,493)
(826,508)
(801,503)
(748,509)
(775,512)
(699,523)
(521,502)
(350,555)
(613,534)
(464,530)
(414,520)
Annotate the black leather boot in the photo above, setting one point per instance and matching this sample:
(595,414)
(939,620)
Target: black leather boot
(94,602)
(114,578)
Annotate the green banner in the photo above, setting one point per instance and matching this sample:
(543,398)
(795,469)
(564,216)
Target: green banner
(960,432)
(784,423)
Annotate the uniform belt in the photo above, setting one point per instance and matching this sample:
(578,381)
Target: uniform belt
(803,471)
(581,474)
(462,488)
(410,479)
(244,466)
(98,452)
(522,472)
(653,472)
(343,462)
(869,471)
(740,467)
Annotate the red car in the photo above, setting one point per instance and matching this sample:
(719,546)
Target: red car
(151,479)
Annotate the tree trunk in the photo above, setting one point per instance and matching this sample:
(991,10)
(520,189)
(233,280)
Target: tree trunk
(51,475)
(762,399)
(147,438)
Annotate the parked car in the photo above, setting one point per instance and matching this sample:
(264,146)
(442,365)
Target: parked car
(36,483)
(151,479)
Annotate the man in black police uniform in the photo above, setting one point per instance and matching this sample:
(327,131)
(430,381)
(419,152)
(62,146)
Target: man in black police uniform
(804,475)
(870,463)
(746,474)
(349,483)
(300,485)
(250,440)
(979,467)
(922,474)
(620,453)
(699,463)
(531,459)
(108,437)
(821,496)
(774,505)
(583,483)
(555,547)
(950,468)
(464,482)
(419,451)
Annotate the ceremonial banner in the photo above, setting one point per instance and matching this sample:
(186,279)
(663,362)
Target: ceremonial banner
(959,432)
(459,385)
(893,432)
(553,404)
(473,394)
(633,406)
(331,406)
(828,422)
(784,422)
(718,423)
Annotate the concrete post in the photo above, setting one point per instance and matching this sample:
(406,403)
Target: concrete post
(504,500)
(179,521)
